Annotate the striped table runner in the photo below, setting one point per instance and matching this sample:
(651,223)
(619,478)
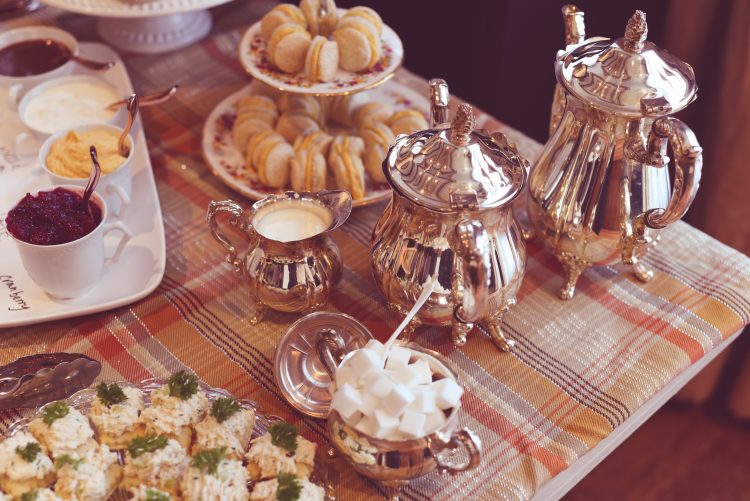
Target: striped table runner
(579,369)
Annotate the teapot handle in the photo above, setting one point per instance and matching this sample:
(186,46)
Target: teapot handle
(688,164)
(235,219)
(473,248)
(463,437)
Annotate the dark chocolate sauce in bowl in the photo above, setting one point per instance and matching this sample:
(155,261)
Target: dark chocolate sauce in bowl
(52,217)
(33,57)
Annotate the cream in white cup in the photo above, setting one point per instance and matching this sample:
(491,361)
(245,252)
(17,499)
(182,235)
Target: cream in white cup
(69,270)
(16,85)
(63,103)
(115,187)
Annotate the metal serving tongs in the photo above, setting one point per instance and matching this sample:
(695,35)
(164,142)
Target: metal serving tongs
(37,379)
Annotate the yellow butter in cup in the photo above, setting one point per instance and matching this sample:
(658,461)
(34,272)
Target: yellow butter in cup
(69,156)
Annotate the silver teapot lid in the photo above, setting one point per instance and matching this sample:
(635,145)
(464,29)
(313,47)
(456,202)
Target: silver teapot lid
(628,75)
(452,166)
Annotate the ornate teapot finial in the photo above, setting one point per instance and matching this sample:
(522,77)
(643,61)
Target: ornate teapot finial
(636,31)
(462,125)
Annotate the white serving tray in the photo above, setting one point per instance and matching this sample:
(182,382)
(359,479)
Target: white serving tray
(141,266)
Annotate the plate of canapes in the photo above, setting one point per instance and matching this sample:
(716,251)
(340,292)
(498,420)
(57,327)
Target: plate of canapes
(162,440)
(259,141)
(319,49)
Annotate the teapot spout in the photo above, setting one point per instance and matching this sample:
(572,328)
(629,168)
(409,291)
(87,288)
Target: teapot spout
(339,203)
(439,98)
(575,29)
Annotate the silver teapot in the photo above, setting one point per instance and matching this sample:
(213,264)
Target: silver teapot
(600,190)
(450,216)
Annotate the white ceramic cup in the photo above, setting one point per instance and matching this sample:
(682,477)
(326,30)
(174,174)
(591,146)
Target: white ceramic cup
(28,141)
(68,270)
(17,85)
(115,187)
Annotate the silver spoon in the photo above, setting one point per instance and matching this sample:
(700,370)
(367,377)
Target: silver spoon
(122,146)
(149,100)
(94,176)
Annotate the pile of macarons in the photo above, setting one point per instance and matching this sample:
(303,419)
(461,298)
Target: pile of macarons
(316,143)
(314,38)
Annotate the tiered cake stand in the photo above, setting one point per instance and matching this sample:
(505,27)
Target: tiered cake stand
(146,26)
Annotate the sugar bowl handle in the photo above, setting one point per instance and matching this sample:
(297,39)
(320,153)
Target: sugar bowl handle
(235,219)
(331,349)
(688,164)
(473,249)
(465,438)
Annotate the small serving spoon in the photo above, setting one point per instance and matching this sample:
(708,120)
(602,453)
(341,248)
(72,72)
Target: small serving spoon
(122,146)
(93,65)
(149,100)
(94,176)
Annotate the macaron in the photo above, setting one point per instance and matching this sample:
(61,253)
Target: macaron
(407,121)
(341,108)
(257,107)
(368,14)
(322,59)
(318,141)
(308,170)
(252,145)
(295,123)
(304,103)
(281,14)
(244,129)
(271,160)
(288,46)
(378,138)
(376,111)
(346,162)
(359,44)
(321,16)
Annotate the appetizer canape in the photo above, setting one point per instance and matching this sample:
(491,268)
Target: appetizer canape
(226,425)
(281,450)
(93,476)
(154,461)
(114,413)
(36,495)
(175,407)
(214,477)
(287,487)
(63,430)
(24,466)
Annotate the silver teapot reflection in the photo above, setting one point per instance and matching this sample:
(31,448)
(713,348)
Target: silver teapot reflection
(600,190)
(292,262)
(450,216)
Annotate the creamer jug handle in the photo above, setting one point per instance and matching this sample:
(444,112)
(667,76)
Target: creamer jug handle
(235,219)
(688,161)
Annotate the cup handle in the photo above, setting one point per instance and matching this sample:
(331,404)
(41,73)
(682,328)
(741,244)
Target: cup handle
(126,236)
(124,198)
(465,438)
(14,93)
(330,347)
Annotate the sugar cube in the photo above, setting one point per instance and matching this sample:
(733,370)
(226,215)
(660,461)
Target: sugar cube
(346,375)
(346,401)
(433,421)
(369,403)
(422,370)
(376,346)
(381,385)
(385,423)
(354,419)
(397,400)
(366,363)
(424,402)
(367,425)
(405,375)
(412,423)
(397,357)
(447,393)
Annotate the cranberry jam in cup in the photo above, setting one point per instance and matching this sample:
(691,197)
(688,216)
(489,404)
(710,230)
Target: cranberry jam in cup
(53,217)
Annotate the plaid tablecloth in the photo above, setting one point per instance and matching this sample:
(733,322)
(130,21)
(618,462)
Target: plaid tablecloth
(578,370)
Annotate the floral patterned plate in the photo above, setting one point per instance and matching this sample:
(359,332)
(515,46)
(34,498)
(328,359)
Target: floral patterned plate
(252,54)
(226,162)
